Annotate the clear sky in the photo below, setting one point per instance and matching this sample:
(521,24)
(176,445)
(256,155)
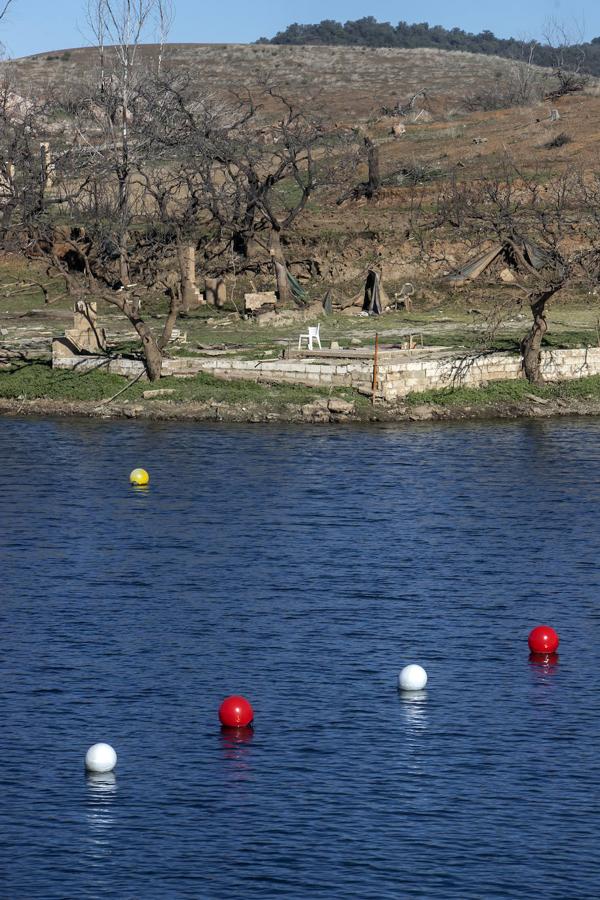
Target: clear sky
(33,26)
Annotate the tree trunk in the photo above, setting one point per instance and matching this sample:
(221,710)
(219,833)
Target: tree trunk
(243,239)
(152,354)
(150,347)
(374,182)
(284,293)
(169,324)
(123,260)
(531,345)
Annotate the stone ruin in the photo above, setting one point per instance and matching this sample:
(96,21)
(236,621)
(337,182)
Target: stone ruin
(85,337)
(190,295)
(215,292)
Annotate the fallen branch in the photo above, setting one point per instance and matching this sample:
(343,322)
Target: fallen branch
(122,391)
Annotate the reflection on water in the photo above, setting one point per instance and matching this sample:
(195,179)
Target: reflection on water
(414,710)
(102,785)
(413,705)
(235,747)
(101,794)
(544,665)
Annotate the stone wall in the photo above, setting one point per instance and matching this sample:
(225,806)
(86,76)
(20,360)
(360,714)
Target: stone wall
(284,371)
(474,370)
(407,373)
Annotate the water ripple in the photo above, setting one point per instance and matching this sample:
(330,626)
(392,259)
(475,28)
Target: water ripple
(303,567)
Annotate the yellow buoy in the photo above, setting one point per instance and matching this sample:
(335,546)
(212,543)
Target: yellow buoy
(139,477)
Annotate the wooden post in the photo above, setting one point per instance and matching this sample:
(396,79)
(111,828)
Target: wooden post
(375,360)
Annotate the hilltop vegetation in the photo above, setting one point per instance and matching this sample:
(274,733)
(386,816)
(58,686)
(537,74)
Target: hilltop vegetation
(368,32)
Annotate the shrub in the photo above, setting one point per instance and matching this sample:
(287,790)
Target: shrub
(559,141)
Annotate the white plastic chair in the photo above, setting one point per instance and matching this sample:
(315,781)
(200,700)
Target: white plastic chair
(313,335)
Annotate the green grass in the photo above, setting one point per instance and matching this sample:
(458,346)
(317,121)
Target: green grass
(40,381)
(506,392)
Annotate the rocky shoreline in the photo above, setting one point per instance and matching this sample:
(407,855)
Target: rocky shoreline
(321,411)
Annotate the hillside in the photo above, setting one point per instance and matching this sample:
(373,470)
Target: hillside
(446,137)
(461,128)
(346,82)
(368,32)
(350,84)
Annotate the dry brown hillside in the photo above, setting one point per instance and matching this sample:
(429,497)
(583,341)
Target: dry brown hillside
(335,244)
(355,83)
(346,81)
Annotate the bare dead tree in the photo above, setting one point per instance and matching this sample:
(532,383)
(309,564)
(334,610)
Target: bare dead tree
(4,7)
(258,170)
(367,151)
(567,76)
(536,224)
(71,221)
(119,28)
(165,15)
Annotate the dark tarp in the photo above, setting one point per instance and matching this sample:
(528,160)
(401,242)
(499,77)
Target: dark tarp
(372,299)
(298,291)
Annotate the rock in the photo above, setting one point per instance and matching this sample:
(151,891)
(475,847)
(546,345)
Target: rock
(254,301)
(341,407)
(313,310)
(161,392)
(535,398)
(421,413)
(133,411)
(316,411)
(290,315)
(267,318)
(355,342)
(350,311)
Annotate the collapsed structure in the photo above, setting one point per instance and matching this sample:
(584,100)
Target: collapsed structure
(510,258)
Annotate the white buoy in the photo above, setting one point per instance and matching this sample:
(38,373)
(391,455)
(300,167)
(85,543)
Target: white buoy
(100,758)
(412,678)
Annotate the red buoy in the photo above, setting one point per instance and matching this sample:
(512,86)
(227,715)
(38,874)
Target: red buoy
(235,712)
(543,639)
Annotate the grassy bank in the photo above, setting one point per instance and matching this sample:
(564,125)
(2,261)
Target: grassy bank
(39,381)
(37,388)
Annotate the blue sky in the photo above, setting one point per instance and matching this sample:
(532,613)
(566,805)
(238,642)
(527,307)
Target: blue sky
(37,25)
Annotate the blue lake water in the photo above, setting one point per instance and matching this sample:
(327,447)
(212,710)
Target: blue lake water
(302,567)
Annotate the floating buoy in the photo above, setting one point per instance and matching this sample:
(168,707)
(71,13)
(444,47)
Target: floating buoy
(235,712)
(100,758)
(543,639)
(139,477)
(412,678)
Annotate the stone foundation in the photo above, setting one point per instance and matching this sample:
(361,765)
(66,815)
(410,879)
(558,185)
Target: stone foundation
(399,373)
